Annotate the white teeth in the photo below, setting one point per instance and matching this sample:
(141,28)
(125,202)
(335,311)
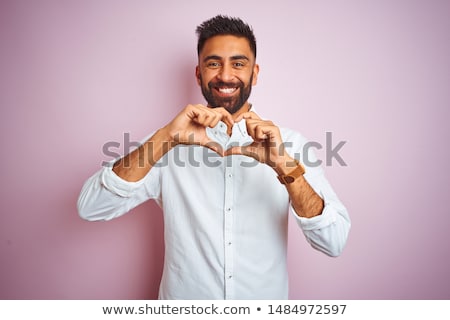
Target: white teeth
(227,90)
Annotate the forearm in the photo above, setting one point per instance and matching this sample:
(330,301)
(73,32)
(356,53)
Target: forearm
(305,201)
(135,166)
(111,192)
(321,215)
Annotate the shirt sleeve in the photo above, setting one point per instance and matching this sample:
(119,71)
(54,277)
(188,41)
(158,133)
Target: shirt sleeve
(327,232)
(105,195)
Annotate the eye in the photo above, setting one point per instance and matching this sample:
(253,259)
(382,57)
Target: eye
(238,65)
(213,64)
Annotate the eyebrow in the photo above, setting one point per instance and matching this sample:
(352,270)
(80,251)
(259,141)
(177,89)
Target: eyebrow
(215,57)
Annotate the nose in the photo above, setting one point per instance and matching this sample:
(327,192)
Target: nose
(225,73)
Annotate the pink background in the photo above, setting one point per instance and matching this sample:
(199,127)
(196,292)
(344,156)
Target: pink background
(77,74)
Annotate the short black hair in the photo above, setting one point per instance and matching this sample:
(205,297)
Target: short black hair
(224,25)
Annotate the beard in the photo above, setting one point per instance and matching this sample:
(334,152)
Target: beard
(231,104)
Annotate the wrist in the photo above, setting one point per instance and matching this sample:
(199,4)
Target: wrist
(165,135)
(158,145)
(284,165)
(289,171)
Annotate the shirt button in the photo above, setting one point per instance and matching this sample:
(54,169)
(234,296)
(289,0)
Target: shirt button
(228,209)
(230,276)
(229,243)
(230,175)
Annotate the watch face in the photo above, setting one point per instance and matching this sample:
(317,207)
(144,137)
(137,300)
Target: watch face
(289,179)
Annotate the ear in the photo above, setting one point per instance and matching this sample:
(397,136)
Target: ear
(197,75)
(255,74)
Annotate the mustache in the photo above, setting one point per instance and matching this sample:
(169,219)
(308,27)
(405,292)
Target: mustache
(223,84)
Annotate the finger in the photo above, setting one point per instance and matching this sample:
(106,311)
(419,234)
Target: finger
(213,120)
(210,119)
(214,146)
(225,116)
(263,132)
(261,129)
(204,116)
(233,151)
(248,115)
(249,151)
(201,118)
(194,112)
(254,128)
(251,125)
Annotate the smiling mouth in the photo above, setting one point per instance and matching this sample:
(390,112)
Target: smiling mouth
(226,90)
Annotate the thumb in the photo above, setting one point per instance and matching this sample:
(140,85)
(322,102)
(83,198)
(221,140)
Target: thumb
(214,146)
(233,151)
(227,118)
(249,151)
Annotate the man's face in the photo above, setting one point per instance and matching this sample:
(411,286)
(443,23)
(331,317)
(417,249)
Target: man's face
(226,72)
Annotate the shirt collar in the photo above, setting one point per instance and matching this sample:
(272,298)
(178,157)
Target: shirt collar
(240,128)
(239,133)
(242,125)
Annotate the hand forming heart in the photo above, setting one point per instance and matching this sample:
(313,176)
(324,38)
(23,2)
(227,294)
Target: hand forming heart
(267,146)
(189,127)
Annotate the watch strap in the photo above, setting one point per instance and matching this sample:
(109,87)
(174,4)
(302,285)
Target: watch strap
(294,174)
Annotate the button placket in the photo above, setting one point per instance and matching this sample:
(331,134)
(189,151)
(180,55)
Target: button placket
(228,232)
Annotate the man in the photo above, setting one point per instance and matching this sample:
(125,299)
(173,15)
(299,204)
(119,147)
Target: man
(213,169)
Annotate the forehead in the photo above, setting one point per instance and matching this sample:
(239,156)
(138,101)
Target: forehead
(226,46)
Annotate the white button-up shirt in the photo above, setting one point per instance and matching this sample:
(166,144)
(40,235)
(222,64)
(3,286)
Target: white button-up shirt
(225,218)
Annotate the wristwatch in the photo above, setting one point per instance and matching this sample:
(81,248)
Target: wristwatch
(294,174)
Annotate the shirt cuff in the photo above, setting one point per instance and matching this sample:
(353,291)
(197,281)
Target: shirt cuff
(321,221)
(111,181)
